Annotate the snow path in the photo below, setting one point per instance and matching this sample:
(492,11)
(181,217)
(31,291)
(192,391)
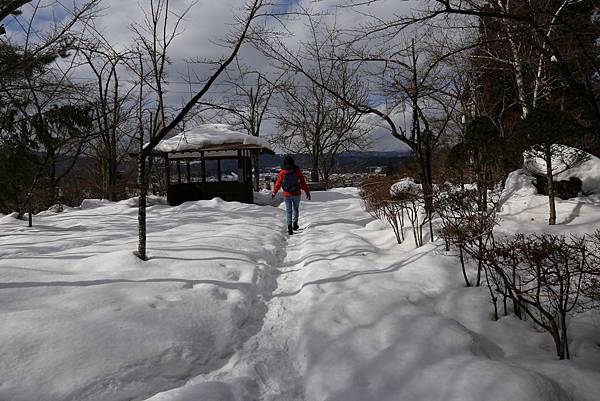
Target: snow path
(356,317)
(270,365)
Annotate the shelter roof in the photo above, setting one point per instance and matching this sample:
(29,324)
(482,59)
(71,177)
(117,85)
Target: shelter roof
(211,137)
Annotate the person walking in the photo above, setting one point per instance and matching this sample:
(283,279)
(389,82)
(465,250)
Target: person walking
(291,180)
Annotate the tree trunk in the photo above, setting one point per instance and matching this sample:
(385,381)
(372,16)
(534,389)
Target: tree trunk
(112,183)
(559,344)
(551,189)
(429,192)
(141,184)
(462,264)
(564,337)
(53,183)
(423,157)
(112,174)
(427,197)
(30,210)
(493,295)
(314,174)
(483,212)
(112,180)
(519,76)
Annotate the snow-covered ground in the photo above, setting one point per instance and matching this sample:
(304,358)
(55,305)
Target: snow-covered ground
(230,308)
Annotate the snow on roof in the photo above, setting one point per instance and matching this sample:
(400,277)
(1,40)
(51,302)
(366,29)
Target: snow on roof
(206,135)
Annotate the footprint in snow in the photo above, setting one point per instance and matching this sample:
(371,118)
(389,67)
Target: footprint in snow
(219,294)
(233,275)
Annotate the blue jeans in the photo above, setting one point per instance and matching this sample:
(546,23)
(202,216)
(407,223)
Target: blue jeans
(292,201)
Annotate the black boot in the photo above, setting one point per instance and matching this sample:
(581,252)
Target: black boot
(290,230)
(296,227)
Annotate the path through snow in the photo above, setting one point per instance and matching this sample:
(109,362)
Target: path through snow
(356,317)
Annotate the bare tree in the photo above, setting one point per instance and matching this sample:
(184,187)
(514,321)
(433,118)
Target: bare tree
(247,103)
(591,287)
(112,101)
(538,41)
(254,91)
(420,85)
(312,119)
(26,52)
(411,93)
(313,122)
(154,41)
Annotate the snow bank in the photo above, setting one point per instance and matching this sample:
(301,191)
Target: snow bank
(519,183)
(523,210)
(380,337)
(588,172)
(9,218)
(206,135)
(151,200)
(84,319)
(55,209)
(406,185)
(94,203)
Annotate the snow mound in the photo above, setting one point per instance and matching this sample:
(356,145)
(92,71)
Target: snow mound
(9,218)
(54,209)
(206,135)
(519,183)
(406,185)
(516,384)
(523,210)
(151,200)
(588,171)
(58,208)
(94,203)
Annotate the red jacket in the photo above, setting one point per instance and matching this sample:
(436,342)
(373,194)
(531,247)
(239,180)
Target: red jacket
(300,178)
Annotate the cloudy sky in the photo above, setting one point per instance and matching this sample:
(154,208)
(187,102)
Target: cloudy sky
(208,22)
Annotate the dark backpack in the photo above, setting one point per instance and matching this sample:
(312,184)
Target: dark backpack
(291,182)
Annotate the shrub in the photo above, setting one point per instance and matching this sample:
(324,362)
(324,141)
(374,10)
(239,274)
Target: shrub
(394,201)
(466,224)
(544,275)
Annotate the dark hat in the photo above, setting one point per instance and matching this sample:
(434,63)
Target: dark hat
(288,163)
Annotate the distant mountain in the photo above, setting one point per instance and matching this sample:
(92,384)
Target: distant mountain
(351,162)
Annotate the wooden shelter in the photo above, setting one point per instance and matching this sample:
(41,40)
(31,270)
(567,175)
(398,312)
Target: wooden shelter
(186,158)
